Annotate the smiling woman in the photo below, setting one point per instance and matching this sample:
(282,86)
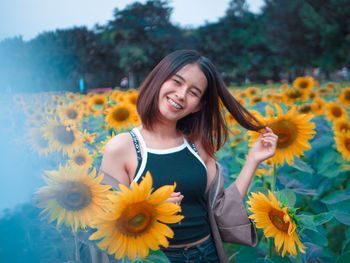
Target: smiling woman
(183,125)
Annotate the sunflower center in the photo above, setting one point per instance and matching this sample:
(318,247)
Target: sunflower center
(347,144)
(137,218)
(336,111)
(74,196)
(79,159)
(72,114)
(276,218)
(121,114)
(62,135)
(294,94)
(303,84)
(347,95)
(286,131)
(99,101)
(305,108)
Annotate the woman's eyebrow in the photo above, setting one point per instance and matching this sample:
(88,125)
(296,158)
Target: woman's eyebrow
(180,77)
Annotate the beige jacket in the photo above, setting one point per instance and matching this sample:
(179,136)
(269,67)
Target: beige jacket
(228,217)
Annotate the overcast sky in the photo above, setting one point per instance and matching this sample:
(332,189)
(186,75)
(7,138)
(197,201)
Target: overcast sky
(31,17)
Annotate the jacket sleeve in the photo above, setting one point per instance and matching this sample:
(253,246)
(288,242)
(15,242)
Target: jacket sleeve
(231,216)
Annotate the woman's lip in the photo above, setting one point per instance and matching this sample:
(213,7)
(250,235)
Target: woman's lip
(171,106)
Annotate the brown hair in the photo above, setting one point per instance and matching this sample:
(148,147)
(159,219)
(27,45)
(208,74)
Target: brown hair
(208,124)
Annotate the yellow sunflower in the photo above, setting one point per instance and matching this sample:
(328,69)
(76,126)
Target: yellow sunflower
(292,95)
(304,108)
(96,102)
(101,148)
(62,137)
(293,131)
(230,120)
(341,126)
(344,97)
(81,158)
(276,222)
(318,106)
(342,140)
(304,83)
(73,196)
(89,137)
(335,112)
(38,142)
(69,114)
(252,91)
(132,97)
(120,116)
(136,221)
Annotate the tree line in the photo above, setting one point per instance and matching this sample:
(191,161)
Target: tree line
(282,41)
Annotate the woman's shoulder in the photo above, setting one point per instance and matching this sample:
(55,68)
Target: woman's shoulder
(120,143)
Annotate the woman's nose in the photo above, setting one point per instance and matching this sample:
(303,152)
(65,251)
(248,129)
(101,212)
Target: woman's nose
(181,92)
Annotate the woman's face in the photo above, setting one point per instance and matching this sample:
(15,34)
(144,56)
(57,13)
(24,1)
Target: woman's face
(181,94)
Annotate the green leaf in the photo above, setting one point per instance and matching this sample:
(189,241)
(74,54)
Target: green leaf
(336,197)
(302,166)
(328,158)
(322,218)
(305,221)
(331,172)
(287,197)
(341,211)
(344,258)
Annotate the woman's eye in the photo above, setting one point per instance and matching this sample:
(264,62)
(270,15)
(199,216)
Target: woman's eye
(176,81)
(194,93)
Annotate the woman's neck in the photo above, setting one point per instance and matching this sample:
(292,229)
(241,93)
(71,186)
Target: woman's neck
(161,135)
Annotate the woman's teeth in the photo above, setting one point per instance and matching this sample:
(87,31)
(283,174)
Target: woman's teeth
(177,106)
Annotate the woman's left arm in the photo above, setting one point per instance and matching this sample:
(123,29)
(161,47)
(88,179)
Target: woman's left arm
(262,149)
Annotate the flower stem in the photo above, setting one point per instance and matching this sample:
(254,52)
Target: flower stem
(298,256)
(273,184)
(270,247)
(124,260)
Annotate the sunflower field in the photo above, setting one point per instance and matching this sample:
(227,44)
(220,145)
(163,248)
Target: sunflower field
(299,200)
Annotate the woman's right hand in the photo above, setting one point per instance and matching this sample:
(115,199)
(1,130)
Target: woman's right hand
(175,197)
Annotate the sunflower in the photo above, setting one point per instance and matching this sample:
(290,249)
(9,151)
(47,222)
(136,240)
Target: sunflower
(304,83)
(292,95)
(293,131)
(136,220)
(101,148)
(121,116)
(89,137)
(335,112)
(342,140)
(341,126)
(69,114)
(331,86)
(38,142)
(62,137)
(81,158)
(344,97)
(304,108)
(96,102)
(73,196)
(230,120)
(276,222)
(318,106)
(132,97)
(252,91)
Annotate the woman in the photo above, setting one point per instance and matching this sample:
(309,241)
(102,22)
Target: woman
(182,128)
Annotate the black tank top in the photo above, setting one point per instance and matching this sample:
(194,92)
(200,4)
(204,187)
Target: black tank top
(182,165)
